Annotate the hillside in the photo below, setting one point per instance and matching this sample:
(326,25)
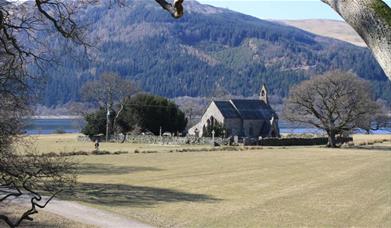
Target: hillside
(208,49)
(329,28)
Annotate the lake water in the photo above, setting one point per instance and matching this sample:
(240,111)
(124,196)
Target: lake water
(52,126)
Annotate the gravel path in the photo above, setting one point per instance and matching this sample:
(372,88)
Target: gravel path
(91,216)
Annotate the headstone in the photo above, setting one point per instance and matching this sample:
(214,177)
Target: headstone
(213,137)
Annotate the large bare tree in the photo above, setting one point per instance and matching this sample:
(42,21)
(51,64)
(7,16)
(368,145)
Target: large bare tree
(31,176)
(110,92)
(336,102)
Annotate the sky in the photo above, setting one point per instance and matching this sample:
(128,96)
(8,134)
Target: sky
(280,9)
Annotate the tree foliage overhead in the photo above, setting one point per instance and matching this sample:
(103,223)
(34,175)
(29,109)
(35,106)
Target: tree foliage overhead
(336,102)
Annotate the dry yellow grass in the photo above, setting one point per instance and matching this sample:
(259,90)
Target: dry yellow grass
(68,143)
(270,187)
(370,138)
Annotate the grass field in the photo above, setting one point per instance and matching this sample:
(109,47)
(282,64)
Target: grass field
(269,187)
(69,143)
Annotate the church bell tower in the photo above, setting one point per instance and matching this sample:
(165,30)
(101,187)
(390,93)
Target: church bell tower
(263,95)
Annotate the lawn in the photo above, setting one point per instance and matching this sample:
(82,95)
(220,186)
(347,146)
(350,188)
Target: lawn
(293,186)
(69,143)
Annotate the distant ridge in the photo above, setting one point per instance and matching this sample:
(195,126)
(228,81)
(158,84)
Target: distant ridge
(329,28)
(208,50)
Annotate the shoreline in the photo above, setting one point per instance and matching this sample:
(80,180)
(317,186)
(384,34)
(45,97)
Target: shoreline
(54,117)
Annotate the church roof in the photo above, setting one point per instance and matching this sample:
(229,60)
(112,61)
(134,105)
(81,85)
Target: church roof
(253,109)
(227,110)
(245,109)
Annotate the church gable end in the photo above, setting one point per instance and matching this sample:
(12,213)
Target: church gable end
(246,118)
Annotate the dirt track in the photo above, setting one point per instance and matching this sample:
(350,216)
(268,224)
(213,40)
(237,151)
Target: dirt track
(91,216)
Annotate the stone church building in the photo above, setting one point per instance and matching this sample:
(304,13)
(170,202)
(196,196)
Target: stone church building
(243,118)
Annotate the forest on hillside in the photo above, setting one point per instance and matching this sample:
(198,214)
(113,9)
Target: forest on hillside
(208,49)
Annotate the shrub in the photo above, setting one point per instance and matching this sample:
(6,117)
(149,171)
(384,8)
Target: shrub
(100,152)
(59,131)
(120,152)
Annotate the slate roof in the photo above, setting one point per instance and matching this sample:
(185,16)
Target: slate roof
(246,109)
(227,110)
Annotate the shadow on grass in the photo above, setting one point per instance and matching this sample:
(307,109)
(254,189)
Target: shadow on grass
(106,169)
(136,196)
(56,222)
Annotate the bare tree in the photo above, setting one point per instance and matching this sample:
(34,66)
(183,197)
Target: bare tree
(108,92)
(28,178)
(378,119)
(22,24)
(334,102)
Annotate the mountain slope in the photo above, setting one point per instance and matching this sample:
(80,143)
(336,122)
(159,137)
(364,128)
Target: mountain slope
(209,48)
(329,28)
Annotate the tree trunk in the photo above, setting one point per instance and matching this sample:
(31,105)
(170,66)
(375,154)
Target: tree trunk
(124,138)
(107,123)
(332,141)
(116,118)
(372,21)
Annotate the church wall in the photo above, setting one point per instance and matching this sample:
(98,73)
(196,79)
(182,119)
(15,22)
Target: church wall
(211,111)
(256,126)
(234,126)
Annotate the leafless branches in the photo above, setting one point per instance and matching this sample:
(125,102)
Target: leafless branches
(334,102)
(109,91)
(25,177)
(24,27)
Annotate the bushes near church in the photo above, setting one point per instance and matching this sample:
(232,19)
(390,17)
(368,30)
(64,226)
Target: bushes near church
(145,112)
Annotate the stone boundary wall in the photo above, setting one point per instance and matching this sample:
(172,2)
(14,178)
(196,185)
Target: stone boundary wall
(192,140)
(300,141)
(171,140)
(165,140)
